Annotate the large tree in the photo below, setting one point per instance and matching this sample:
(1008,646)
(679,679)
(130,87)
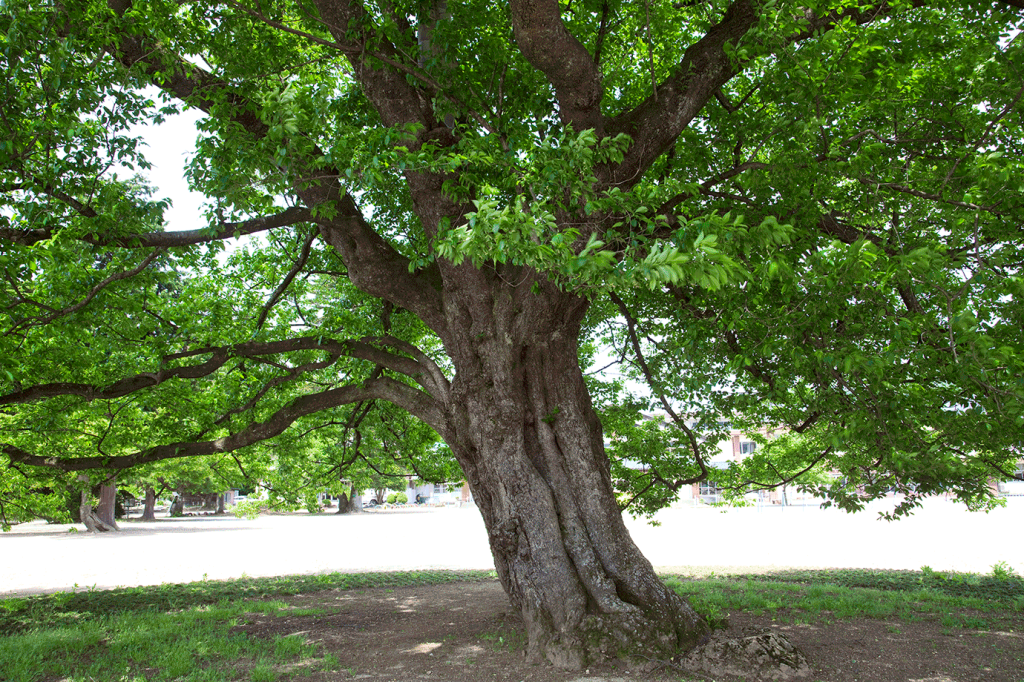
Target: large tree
(797,215)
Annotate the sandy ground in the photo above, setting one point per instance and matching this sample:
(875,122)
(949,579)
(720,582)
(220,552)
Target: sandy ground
(37,557)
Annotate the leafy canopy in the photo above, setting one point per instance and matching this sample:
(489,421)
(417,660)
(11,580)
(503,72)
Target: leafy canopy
(804,217)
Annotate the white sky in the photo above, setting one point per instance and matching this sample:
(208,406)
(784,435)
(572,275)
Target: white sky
(169,146)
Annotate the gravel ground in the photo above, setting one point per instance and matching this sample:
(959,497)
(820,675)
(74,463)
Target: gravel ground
(38,557)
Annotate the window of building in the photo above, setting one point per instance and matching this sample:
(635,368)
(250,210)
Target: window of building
(438,488)
(747,447)
(709,488)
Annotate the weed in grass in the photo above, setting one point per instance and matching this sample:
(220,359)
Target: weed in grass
(329,662)
(974,623)
(1003,571)
(262,672)
(291,646)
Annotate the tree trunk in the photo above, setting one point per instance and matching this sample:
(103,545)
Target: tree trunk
(347,502)
(105,510)
(149,510)
(531,446)
(101,518)
(220,503)
(210,502)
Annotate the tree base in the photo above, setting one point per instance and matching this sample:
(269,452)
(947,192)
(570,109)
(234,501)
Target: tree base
(630,636)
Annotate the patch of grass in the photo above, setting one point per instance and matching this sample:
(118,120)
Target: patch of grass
(826,595)
(18,614)
(1003,585)
(181,633)
(186,645)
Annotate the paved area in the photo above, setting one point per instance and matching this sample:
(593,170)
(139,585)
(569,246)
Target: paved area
(38,557)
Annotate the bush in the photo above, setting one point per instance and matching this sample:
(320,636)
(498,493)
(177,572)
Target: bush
(401,498)
(249,509)
(391,498)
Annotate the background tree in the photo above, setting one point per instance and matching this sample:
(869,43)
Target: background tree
(805,216)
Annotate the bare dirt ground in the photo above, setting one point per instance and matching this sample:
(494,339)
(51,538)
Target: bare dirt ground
(467,633)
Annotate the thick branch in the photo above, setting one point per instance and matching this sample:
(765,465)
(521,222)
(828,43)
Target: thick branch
(655,124)
(549,47)
(705,67)
(396,100)
(290,216)
(416,402)
(219,356)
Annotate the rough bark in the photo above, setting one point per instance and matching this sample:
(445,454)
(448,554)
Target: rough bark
(105,510)
(531,445)
(343,503)
(347,502)
(101,518)
(149,510)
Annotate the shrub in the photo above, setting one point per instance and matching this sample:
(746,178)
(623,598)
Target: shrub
(391,498)
(401,498)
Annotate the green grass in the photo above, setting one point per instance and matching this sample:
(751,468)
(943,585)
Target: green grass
(194,645)
(67,608)
(180,632)
(187,632)
(953,599)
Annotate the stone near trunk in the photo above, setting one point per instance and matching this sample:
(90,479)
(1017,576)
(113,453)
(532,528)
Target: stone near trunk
(768,656)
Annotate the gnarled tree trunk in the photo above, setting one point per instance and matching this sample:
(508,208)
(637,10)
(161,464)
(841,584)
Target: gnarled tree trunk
(532,449)
(347,502)
(98,519)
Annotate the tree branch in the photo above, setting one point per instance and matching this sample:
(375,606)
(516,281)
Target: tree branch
(373,265)
(550,48)
(46,319)
(300,262)
(416,402)
(649,376)
(219,356)
(149,240)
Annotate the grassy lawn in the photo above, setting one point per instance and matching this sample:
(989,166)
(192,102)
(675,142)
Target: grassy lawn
(956,600)
(188,632)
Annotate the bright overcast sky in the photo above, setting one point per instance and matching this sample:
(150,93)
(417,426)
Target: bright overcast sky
(169,146)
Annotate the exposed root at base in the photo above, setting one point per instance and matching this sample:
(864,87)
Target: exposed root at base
(769,656)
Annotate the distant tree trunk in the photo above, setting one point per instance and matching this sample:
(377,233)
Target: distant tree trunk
(149,511)
(220,503)
(210,502)
(105,510)
(101,518)
(177,507)
(347,502)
